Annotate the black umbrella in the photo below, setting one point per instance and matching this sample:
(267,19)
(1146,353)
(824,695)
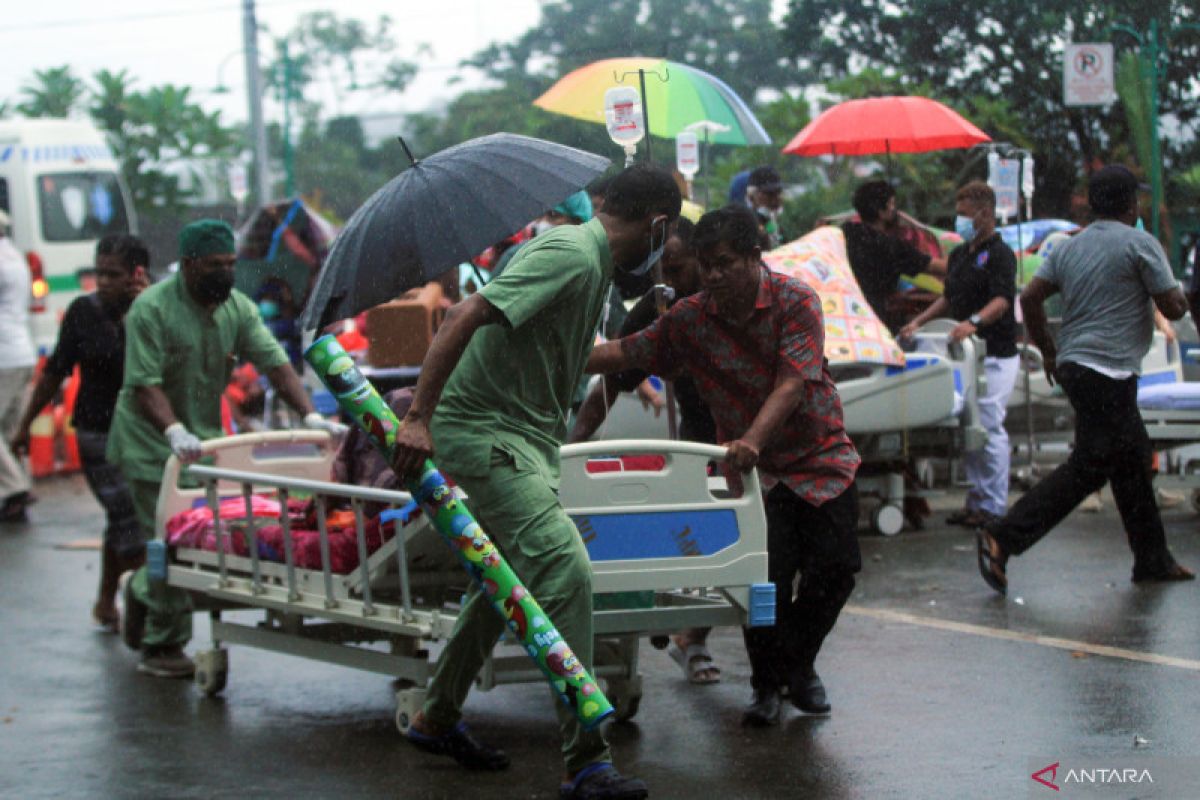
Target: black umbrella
(440,212)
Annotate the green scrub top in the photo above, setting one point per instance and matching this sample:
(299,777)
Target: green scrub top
(513,387)
(174,343)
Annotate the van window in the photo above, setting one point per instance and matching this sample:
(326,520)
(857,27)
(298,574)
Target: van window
(78,206)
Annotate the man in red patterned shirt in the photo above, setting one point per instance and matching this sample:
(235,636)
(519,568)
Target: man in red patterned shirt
(753,342)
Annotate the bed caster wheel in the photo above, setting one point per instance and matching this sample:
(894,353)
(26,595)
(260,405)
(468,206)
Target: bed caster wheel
(625,694)
(408,703)
(212,671)
(1196,500)
(888,520)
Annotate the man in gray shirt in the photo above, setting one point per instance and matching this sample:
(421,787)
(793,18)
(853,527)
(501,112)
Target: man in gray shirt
(1112,277)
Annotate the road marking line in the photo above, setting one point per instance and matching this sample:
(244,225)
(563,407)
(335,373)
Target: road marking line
(1017,636)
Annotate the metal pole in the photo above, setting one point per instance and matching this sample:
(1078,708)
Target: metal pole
(645,113)
(289,167)
(258,132)
(704,164)
(1150,72)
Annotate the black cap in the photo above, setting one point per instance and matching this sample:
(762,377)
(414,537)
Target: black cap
(1112,190)
(765,178)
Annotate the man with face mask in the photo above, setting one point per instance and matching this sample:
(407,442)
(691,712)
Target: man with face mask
(491,407)
(183,337)
(981,287)
(92,337)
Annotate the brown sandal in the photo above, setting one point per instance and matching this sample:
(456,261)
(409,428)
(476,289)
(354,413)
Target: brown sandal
(991,566)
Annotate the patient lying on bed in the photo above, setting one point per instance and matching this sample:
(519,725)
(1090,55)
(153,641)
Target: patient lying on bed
(356,463)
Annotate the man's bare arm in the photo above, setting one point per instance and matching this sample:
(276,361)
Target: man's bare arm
(153,402)
(1033,307)
(413,441)
(607,358)
(287,383)
(744,452)
(1172,303)
(594,410)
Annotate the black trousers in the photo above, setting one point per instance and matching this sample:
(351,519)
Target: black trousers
(1111,446)
(819,546)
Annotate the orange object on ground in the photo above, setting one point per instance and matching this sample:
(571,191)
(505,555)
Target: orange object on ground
(70,445)
(41,444)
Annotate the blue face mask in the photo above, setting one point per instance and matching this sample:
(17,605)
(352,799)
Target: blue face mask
(656,250)
(1139,225)
(269,309)
(964,227)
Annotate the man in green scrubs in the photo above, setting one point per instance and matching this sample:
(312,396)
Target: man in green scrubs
(491,406)
(183,337)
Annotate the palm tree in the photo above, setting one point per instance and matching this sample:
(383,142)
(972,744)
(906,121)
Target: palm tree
(53,92)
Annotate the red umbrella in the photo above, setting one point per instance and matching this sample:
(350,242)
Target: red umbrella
(885,125)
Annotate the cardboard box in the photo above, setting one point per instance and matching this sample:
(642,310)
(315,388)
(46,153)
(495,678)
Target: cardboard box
(400,332)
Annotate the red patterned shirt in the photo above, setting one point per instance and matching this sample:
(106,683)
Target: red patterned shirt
(736,368)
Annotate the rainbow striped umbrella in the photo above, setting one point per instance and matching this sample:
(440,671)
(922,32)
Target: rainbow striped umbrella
(676,96)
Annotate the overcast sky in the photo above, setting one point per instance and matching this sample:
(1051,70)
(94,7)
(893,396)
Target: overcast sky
(188,42)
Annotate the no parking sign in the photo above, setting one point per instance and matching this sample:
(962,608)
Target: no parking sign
(1088,74)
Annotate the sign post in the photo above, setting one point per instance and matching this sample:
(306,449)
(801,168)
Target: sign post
(1088,74)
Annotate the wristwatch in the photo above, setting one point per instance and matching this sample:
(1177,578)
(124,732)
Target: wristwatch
(975,320)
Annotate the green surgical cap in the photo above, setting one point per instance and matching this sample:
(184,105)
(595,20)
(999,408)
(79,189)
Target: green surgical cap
(206,237)
(578,205)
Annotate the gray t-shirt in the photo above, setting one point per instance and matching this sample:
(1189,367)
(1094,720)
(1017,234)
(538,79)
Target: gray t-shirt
(1107,275)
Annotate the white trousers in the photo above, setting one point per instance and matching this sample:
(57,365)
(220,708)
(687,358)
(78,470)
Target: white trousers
(14,384)
(987,469)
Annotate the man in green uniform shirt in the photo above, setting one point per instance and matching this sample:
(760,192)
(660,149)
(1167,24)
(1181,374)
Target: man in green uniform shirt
(509,359)
(183,338)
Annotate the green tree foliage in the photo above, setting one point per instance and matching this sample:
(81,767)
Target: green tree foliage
(734,39)
(155,133)
(1007,50)
(53,92)
(326,56)
(337,55)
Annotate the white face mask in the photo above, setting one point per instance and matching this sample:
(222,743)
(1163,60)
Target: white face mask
(541,226)
(767,213)
(656,251)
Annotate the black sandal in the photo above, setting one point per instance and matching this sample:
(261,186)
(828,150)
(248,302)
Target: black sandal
(460,745)
(991,567)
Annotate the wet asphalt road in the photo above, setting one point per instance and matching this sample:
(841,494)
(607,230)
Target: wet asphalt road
(940,689)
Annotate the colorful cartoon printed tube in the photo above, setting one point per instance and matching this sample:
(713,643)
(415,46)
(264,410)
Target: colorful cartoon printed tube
(454,522)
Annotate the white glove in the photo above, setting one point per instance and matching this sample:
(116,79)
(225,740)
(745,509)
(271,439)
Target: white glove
(184,444)
(316,422)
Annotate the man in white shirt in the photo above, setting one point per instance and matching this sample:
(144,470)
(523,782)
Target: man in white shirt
(17,358)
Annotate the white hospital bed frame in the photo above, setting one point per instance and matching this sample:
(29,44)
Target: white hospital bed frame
(897,416)
(343,619)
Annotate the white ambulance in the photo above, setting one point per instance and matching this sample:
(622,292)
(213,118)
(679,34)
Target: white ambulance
(62,191)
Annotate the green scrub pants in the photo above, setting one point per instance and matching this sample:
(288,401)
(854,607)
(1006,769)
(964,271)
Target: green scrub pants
(522,515)
(168,609)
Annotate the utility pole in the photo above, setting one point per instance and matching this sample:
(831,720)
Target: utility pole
(258,132)
(286,96)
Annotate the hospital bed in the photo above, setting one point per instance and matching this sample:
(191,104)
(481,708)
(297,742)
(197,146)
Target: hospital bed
(671,548)
(1049,418)
(896,416)
(925,409)
(1171,413)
